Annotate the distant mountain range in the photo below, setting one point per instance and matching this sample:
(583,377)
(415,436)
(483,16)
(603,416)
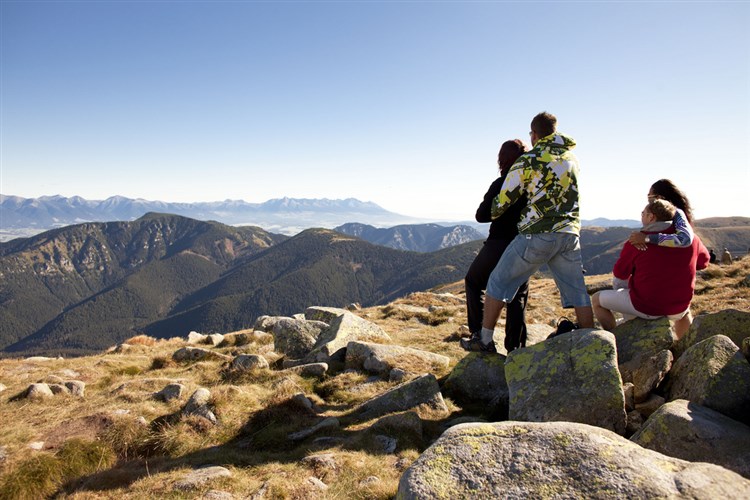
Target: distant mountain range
(23,217)
(28,216)
(416,237)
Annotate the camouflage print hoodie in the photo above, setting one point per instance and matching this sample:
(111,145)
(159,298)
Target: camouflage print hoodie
(548,175)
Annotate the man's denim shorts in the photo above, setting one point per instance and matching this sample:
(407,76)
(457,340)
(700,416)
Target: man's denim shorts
(527,253)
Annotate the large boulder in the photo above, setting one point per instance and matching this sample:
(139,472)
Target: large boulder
(479,380)
(571,377)
(643,353)
(713,373)
(331,344)
(380,359)
(685,430)
(646,373)
(557,460)
(729,322)
(295,338)
(639,338)
(324,314)
(423,390)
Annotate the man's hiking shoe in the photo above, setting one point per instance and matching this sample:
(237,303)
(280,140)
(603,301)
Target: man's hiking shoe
(564,325)
(474,344)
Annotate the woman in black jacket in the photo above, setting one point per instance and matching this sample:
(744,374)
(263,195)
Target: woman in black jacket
(502,232)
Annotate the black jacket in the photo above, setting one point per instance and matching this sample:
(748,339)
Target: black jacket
(506,226)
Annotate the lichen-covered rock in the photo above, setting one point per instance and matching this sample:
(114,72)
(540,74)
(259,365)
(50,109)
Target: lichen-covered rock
(571,377)
(479,379)
(416,392)
(646,373)
(685,430)
(713,373)
(331,344)
(557,460)
(380,359)
(296,338)
(324,314)
(641,338)
(197,354)
(729,322)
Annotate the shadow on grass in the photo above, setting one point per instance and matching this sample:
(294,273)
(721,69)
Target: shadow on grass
(265,438)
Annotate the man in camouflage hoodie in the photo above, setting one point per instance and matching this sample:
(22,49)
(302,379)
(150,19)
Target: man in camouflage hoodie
(548,230)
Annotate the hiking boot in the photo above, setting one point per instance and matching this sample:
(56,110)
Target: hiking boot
(564,325)
(475,344)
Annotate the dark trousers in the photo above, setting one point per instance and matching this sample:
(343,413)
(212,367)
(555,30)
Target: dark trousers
(476,282)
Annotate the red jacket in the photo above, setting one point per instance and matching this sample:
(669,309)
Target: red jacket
(661,279)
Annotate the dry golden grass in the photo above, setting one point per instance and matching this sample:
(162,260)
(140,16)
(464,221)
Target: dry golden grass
(256,411)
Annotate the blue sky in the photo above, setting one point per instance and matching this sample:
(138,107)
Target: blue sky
(403,104)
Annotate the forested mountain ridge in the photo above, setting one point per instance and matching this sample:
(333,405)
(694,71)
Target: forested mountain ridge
(52,273)
(81,288)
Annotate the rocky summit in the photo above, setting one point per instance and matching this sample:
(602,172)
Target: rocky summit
(381,402)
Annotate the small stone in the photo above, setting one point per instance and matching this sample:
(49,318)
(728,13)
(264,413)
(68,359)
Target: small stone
(369,481)
(317,483)
(217,495)
(248,362)
(325,461)
(386,443)
(39,391)
(170,392)
(76,387)
(36,445)
(195,338)
(328,423)
(199,477)
(397,375)
(214,339)
(58,389)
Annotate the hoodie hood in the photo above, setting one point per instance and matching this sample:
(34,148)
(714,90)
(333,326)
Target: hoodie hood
(556,142)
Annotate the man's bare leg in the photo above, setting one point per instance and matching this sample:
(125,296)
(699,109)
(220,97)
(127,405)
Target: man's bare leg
(492,310)
(585,317)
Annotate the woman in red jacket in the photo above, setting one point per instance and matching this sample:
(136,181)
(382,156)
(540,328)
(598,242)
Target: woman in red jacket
(660,280)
